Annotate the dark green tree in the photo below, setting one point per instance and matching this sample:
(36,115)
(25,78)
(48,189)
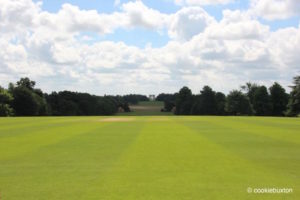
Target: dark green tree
(168,105)
(250,89)
(279,99)
(205,103)
(26,82)
(24,102)
(184,101)
(294,102)
(208,101)
(221,102)
(238,103)
(34,101)
(261,102)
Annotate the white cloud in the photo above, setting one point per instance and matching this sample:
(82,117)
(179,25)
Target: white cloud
(189,22)
(275,9)
(52,49)
(140,15)
(237,25)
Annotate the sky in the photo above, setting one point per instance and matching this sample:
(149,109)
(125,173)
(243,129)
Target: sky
(149,47)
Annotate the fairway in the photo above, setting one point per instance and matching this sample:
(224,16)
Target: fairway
(148,157)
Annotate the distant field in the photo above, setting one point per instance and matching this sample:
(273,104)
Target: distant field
(146,108)
(157,158)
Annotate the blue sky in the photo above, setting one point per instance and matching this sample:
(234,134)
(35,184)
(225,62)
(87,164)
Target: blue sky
(144,37)
(143,46)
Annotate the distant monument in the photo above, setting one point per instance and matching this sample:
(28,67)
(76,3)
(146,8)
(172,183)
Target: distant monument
(152,97)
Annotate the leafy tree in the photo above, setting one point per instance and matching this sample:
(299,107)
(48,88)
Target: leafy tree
(26,82)
(28,101)
(184,101)
(135,98)
(169,101)
(261,101)
(294,102)
(238,103)
(279,99)
(208,101)
(221,102)
(166,97)
(205,103)
(168,105)
(5,101)
(24,102)
(250,89)
(74,103)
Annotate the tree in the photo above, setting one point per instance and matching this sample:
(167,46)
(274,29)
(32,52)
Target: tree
(28,101)
(24,102)
(250,89)
(238,103)
(261,101)
(166,97)
(294,102)
(279,99)
(205,103)
(135,98)
(5,101)
(168,106)
(26,82)
(221,102)
(184,101)
(208,101)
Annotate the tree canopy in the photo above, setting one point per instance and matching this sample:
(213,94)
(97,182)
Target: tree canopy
(294,102)
(24,99)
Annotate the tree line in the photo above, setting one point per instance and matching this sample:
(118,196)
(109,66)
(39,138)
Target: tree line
(250,99)
(23,99)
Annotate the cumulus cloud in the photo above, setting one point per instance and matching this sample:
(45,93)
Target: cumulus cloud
(237,25)
(140,15)
(52,49)
(275,9)
(189,22)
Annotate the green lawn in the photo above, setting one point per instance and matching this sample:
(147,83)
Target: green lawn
(162,157)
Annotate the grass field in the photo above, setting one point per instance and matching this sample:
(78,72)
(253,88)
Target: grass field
(162,157)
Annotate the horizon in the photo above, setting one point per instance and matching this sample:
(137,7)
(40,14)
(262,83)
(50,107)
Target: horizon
(135,47)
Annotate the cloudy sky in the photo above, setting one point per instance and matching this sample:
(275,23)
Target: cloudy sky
(149,46)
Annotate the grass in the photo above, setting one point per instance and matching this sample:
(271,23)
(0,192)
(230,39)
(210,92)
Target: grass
(147,108)
(162,157)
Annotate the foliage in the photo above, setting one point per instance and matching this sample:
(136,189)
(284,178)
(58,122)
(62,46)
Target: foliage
(5,101)
(205,103)
(24,103)
(279,99)
(26,82)
(169,101)
(166,97)
(261,101)
(238,103)
(294,102)
(250,89)
(23,99)
(135,98)
(184,101)
(220,103)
